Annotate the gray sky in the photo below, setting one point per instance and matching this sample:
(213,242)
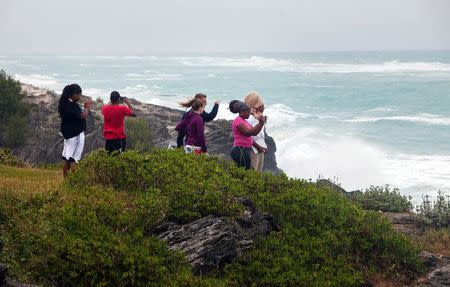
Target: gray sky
(169,26)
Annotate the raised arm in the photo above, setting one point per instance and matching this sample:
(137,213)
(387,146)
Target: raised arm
(131,112)
(207,117)
(248,131)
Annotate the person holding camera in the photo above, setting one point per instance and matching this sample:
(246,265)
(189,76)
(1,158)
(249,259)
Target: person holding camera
(73,124)
(242,133)
(255,101)
(113,117)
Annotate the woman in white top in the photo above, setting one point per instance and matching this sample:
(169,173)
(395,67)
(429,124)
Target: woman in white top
(254,100)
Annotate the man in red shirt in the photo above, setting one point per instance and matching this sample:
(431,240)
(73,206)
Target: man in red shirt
(113,117)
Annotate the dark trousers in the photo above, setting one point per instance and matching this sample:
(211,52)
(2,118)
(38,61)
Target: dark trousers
(180,139)
(241,156)
(115,145)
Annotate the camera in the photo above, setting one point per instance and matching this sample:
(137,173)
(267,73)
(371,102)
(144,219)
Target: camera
(122,99)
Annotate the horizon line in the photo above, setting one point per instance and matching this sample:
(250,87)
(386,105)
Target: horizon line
(157,53)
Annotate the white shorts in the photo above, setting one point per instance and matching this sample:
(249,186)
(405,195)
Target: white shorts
(73,148)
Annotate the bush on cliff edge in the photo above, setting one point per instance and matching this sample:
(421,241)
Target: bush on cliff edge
(97,229)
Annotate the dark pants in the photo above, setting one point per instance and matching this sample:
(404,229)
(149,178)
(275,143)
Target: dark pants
(115,145)
(180,139)
(241,156)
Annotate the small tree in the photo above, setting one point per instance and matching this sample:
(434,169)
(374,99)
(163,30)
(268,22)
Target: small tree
(139,135)
(435,213)
(13,111)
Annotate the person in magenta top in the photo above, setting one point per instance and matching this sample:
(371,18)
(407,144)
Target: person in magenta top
(193,126)
(113,117)
(242,133)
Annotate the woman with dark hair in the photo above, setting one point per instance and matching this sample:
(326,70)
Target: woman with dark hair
(73,124)
(194,127)
(207,117)
(242,133)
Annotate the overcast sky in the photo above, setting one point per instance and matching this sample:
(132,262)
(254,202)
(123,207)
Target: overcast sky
(131,27)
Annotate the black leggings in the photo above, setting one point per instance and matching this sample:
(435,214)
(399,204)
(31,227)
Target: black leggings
(241,156)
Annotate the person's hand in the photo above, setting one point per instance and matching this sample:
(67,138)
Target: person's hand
(261,118)
(125,100)
(217,102)
(88,103)
(261,149)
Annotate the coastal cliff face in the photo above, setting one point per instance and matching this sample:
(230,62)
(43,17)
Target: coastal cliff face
(44,144)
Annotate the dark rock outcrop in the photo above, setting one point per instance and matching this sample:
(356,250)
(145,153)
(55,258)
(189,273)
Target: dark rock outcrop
(440,270)
(45,144)
(212,241)
(405,222)
(439,277)
(431,260)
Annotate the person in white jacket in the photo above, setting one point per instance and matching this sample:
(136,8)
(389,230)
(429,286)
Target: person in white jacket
(255,101)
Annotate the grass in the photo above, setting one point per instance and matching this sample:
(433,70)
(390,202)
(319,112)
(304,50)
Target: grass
(434,240)
(29,181)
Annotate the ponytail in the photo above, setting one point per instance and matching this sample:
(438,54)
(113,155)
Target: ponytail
(189,102)
(64,98)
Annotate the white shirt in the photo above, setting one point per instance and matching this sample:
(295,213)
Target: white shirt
(260,137)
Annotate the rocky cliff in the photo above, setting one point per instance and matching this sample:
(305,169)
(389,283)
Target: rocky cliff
(44,143)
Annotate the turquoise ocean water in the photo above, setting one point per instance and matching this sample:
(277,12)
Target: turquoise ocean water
(367,118)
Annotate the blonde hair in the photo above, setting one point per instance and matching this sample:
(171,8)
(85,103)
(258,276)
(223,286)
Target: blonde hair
(253,99)
(189,102)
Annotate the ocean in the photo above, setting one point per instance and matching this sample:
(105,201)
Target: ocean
(359,118)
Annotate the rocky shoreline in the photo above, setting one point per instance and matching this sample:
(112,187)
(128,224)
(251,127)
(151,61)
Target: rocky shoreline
(44,144)
(208,242)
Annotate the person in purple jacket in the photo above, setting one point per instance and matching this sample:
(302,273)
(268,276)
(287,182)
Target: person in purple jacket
(194,127)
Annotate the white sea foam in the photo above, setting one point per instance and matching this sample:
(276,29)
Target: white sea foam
(308,153)
(428,119)
(290,65)
(97,93)
(381,109)
(42,81)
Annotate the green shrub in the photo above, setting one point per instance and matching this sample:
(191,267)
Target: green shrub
(15,131)
(98,239)
(97,229)
(326,242)
(194,187)
(7,158)
(435,213)
(382,198)
(139,135)
(13,111)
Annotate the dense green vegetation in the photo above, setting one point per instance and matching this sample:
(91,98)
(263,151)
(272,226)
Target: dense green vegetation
(435,213)
(383,198)
(95,228)
(13,112)
(139,134)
